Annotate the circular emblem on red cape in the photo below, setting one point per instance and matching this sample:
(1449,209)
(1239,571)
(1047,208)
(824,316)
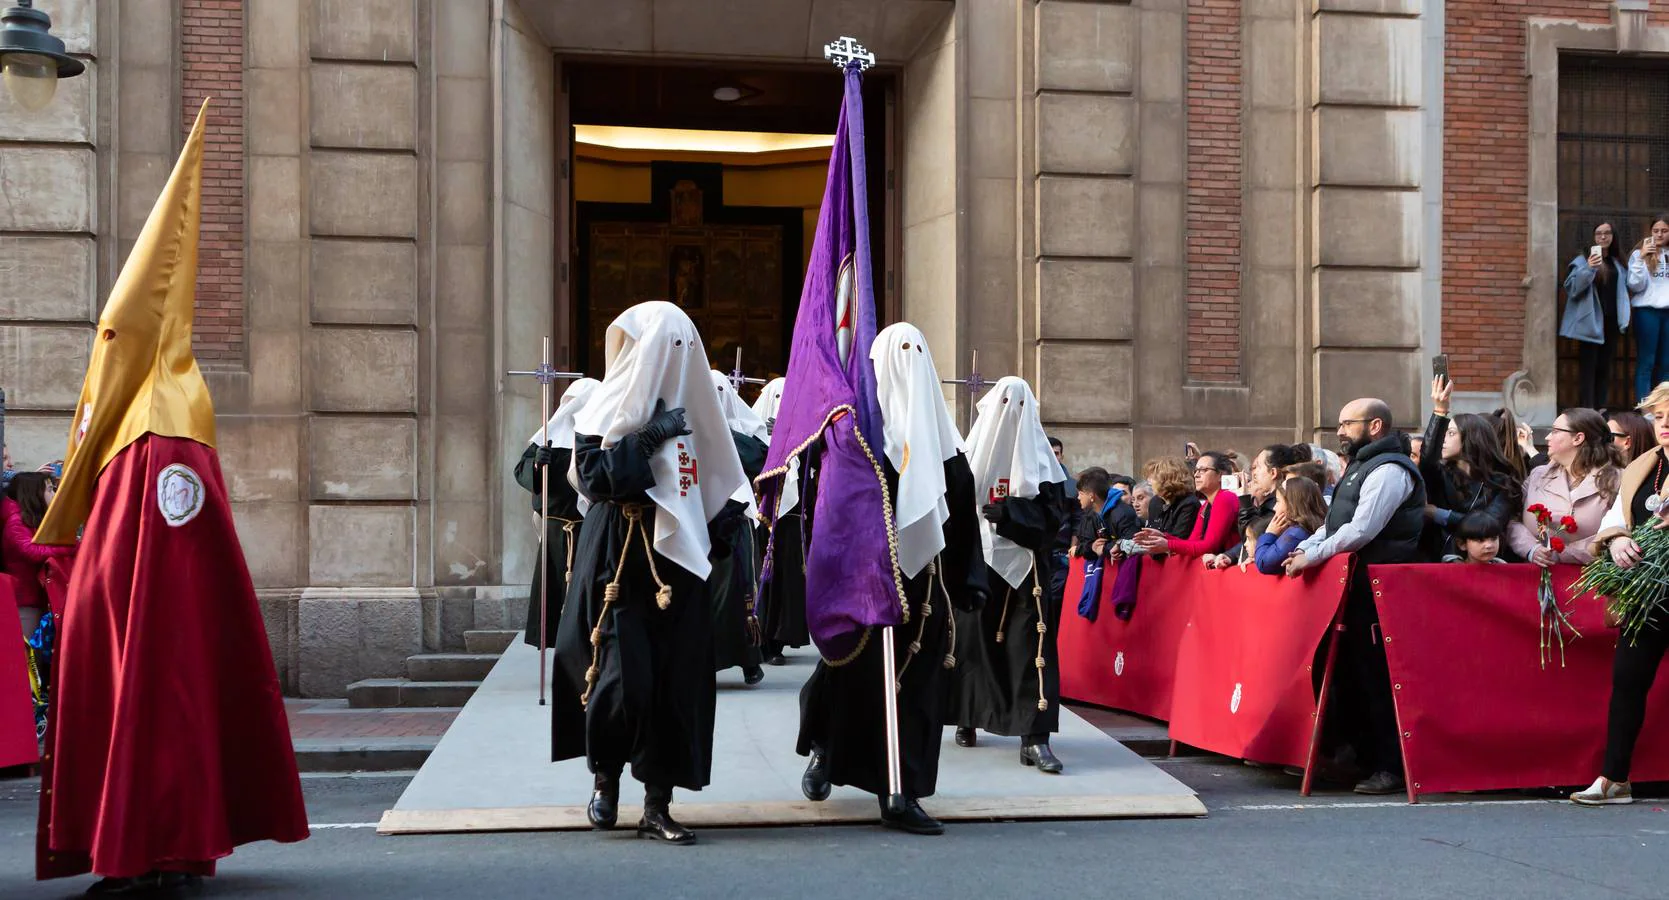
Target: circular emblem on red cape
(179,494)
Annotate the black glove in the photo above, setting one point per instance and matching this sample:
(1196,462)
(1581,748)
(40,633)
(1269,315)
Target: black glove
(995,513)
(544,456)
(771,425)
(663,426)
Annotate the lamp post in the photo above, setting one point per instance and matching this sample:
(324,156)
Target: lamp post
(31,59)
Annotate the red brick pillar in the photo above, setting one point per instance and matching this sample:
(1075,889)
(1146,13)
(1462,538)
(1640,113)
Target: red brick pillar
(211,65)
(1214,190)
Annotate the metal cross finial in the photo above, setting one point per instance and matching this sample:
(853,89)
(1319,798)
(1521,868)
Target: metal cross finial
(547,373)
(975,383)
(737,379)
(848,52)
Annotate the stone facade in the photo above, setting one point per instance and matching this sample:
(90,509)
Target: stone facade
(402,241)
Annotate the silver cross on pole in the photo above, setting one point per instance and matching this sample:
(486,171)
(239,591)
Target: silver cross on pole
(975,383)
(737,379)
(546,375)
(848,52)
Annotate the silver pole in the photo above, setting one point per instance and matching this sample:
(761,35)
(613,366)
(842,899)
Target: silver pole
(889,680)
(544,516)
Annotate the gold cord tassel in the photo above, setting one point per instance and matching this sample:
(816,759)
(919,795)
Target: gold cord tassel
(611,591)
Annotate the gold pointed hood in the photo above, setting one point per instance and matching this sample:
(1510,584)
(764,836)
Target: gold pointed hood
(143,378)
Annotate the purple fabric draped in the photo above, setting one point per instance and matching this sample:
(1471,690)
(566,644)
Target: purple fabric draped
(850,579)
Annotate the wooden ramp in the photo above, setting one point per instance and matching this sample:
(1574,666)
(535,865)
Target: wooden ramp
(491,772)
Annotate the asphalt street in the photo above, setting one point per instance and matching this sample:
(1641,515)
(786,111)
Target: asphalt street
(1261,841)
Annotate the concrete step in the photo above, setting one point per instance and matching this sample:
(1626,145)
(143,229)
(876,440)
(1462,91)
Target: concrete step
(450,666)
(436,693)
(383,693)
(489,640)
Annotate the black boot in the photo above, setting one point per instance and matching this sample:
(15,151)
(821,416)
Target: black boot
(1036,752)
(604,807)
(752,675)
(966,737)
(657,819)
(911,820)
(815,783)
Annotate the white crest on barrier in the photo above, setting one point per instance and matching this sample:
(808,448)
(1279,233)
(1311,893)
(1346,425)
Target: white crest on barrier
(1234,701)
(1118,663)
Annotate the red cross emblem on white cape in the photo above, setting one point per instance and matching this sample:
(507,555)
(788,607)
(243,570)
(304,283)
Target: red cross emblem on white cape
(687,475)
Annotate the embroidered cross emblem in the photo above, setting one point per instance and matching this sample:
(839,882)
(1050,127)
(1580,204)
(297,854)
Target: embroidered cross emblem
(687,475)
(999,491)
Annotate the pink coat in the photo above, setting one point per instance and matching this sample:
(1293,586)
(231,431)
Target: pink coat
(1548,486)
(21,557)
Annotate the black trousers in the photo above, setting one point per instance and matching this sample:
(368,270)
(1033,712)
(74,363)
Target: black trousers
(1593,371)
(1361,711)
(1633,670)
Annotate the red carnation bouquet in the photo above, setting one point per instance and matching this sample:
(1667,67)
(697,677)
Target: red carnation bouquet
(1555,622)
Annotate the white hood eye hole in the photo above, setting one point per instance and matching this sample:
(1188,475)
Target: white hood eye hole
(906,345)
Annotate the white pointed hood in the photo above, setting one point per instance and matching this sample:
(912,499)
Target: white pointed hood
(920,436)
(1010,457)
(769,401)
(652,352)
(742,420)
(559,431)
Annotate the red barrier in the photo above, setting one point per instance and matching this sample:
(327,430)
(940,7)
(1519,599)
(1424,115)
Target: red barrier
(17,705)
(1477,710)
(1127,665)
(1243,671)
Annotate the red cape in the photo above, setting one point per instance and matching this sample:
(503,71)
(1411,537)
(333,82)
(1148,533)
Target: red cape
(167,744)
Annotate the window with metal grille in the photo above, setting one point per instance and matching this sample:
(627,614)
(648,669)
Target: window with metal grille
(1613,167)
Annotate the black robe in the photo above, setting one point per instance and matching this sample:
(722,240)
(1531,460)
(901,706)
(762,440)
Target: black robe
(996,683)
(735,574)
(783,598)
(842,709)
(652,705)
(562,523)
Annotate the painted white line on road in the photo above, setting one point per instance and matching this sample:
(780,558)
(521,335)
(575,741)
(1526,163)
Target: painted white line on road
(340,825)
(391,773)
(1387,804)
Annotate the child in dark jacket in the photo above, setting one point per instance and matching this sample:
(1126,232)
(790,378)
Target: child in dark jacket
(1300,511)
(1478,540)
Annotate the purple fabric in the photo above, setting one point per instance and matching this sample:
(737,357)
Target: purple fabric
(1125,587)
(850,580)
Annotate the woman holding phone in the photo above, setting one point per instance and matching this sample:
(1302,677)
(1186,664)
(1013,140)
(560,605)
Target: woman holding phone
(1648,284)
(1596,313)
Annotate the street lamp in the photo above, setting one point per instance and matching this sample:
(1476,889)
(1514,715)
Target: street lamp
(31,59)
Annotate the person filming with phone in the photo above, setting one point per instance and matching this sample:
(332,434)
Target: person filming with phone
(1648,285)
(1597,312)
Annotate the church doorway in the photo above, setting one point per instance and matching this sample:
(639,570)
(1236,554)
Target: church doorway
(702,186)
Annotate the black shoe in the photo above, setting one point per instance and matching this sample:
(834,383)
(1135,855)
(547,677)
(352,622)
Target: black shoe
(777,660)
(1381,783)
(966,737)
(752,675)
(657,823)
(912,820)
(815,783)
(604,808)
(150,884)
(1042,757)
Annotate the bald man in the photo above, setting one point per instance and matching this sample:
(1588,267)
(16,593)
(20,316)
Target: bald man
(1377,512)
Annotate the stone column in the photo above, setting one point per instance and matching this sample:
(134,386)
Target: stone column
(931,175)
(367,242)
(1365,205)
(1078,83)
(54,241)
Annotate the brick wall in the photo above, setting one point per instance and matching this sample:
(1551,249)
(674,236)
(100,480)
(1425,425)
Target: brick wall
(211,63)
(1486,159)
(1214,190)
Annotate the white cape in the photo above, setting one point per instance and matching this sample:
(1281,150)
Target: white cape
(920,437)
(1010,457)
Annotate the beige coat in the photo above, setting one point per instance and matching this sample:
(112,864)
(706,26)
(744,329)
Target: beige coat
(1548,486)
(1620,520)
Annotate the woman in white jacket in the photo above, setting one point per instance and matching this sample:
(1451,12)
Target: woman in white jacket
(1648,284)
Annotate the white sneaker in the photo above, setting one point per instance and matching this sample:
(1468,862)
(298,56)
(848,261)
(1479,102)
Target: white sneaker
(1604,793)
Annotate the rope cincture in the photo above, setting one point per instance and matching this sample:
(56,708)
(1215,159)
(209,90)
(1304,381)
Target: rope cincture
(1008,597)
(611,592)
(569,526)
(1042,630)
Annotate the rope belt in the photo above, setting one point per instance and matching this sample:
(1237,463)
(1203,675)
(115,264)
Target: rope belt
(933,578)
(1042,629)
(611,592)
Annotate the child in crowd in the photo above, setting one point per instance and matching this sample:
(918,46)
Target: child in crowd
(1300,511)
(1477,540)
